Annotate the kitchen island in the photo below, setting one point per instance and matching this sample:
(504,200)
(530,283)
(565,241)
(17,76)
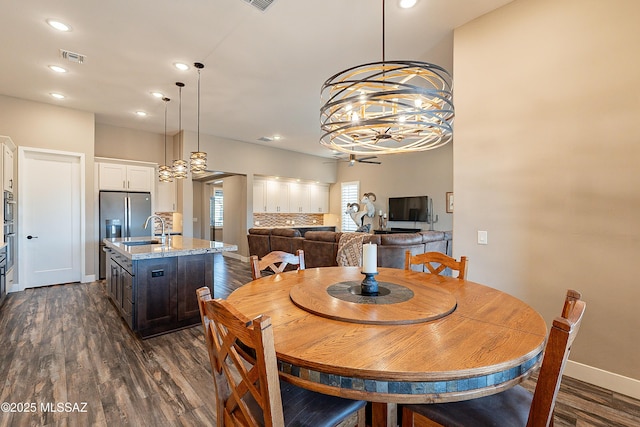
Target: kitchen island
(153,285)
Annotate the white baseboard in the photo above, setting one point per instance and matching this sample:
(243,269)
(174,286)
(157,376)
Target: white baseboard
(601,378)
(88,278)
(15,287)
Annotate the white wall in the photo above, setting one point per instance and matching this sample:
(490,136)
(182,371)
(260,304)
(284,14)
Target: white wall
(547,160)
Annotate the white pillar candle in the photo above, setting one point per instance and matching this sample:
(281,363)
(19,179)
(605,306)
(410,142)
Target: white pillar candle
(369,258)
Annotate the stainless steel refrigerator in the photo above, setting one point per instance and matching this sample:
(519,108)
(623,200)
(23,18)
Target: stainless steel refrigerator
(122,214)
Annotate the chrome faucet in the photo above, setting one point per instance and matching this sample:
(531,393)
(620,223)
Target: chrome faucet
(162,237)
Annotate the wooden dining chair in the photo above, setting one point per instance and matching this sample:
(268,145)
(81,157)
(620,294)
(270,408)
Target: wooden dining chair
(248,389)
(277,261)
(436,262)
(515,406)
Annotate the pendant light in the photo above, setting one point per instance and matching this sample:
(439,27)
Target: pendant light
(198,158)
(180,166)
(387,107)
(165,173)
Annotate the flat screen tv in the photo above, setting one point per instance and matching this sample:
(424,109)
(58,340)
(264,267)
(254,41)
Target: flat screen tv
(408,208)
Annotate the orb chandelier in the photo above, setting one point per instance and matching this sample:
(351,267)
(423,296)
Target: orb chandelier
(198,158)
(387,107)
(165,174)
(180,168)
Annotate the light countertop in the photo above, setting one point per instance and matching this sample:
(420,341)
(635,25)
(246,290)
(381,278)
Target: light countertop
(178,246)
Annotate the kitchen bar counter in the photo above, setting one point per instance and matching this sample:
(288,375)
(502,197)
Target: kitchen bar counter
(177,246)
(153,286)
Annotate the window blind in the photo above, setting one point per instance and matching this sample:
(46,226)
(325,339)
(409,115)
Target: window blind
(216,209)
(349,194)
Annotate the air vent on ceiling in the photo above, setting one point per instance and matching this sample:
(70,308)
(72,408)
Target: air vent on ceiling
(72,56)
(260,4)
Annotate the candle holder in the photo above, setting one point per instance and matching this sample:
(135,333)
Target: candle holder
(369,286)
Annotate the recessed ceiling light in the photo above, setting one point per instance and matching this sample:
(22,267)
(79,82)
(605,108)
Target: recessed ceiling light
(406,4)
(57,95)
(57,69)
(157,94)
(276,137)
(141,113)
(60,26)
(181,66)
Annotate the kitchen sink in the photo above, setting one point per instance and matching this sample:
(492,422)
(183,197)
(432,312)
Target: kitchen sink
(141,242)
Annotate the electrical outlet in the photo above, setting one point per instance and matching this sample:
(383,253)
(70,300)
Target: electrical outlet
(482,237)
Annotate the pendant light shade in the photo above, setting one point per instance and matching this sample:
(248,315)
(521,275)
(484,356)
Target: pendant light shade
(198,158)
(180,167)
(387,107)
(164,172)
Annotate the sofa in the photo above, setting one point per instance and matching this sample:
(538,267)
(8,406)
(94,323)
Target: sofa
(321,247)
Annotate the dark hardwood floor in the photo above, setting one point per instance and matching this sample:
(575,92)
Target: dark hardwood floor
(65,344)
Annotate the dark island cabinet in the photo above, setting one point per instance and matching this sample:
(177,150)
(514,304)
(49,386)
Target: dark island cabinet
(158,295)
(193,272)
(120,284)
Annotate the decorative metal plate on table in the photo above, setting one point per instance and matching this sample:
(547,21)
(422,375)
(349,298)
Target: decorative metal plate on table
(388,293)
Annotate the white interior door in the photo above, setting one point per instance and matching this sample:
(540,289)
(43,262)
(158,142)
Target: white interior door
(49,212)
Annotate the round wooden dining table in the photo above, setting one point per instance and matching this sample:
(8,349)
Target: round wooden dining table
(422,339)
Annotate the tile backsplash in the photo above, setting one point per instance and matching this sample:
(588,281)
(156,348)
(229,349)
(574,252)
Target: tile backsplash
(283,220)
(168,221)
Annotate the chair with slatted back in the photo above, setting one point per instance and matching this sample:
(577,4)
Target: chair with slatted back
(515,406)
(436,263)
(277,261)
(245,372)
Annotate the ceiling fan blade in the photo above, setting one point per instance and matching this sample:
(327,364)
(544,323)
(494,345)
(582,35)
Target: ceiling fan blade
(367,158)
(370,162)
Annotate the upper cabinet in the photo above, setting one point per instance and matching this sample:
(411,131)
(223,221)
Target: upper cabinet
(277,199)
(299,198)
(279,196)
(318,198)
(166,197)
(259,196)
(121,177)
(7,168)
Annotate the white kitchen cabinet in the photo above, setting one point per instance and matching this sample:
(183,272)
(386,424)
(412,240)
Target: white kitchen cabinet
(318,198)
(166,197)
(7,168)
(121,177)
(299,198)
(259,196)
(277,197)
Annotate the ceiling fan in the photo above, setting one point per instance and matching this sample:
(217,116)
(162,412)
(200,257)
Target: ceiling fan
(353,159)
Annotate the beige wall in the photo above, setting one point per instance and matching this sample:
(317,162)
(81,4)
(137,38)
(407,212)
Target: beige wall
(130,144)
(546,159)
(235,226)
(427,173)
(38,125)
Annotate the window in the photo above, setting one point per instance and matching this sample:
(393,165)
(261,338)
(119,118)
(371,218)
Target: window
(349,194)
(216,208)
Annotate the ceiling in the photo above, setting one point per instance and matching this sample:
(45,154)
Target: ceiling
(263,70)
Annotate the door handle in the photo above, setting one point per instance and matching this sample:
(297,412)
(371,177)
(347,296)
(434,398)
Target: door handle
(31,237)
